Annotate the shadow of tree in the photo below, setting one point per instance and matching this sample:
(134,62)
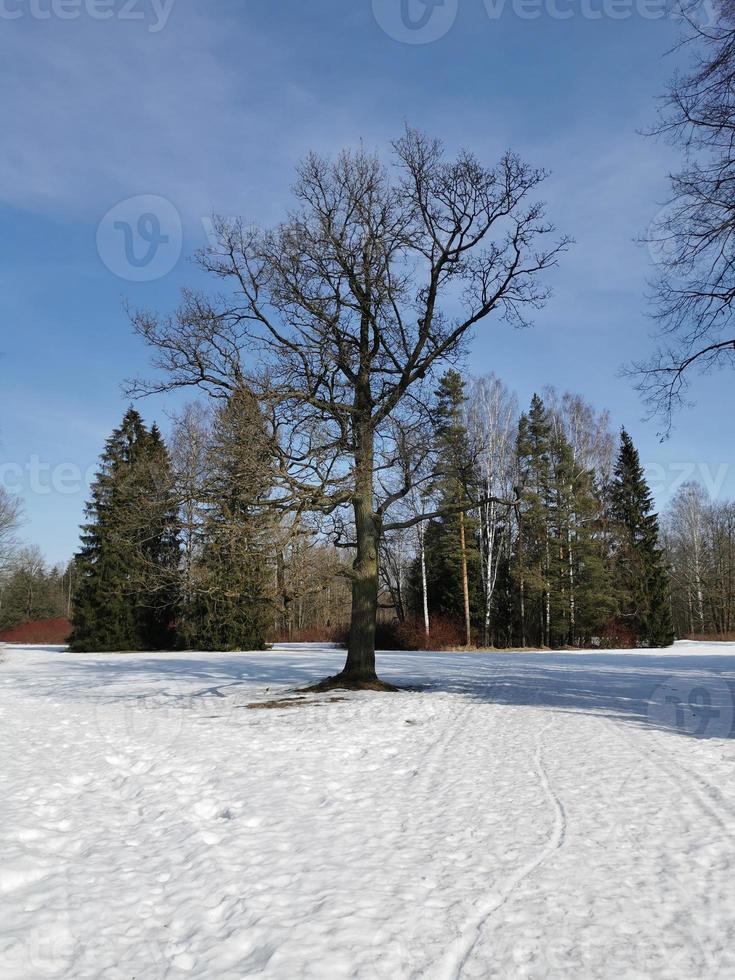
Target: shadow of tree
(680,690)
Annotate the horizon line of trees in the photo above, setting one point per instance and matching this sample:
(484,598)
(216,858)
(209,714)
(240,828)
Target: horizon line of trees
(538,534)
(562,547)
(532,540)
(699,539)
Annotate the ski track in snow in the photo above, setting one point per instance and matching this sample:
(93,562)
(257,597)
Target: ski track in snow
(515,816)
(461,949)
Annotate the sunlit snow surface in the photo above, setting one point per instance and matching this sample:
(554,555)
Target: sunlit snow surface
(511,815)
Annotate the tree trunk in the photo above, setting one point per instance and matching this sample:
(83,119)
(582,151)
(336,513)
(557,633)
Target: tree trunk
(572,600)
(424,586)
(491,548)
(521,583)
(547,595)
(359,668)
(360,664)
(465,582)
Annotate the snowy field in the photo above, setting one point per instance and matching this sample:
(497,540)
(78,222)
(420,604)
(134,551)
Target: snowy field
(513,815)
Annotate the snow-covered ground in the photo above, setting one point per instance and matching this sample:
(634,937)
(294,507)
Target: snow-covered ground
(514,815)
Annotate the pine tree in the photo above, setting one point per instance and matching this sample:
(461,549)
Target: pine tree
(127,568)
(533,548)
(642,577)
(230,607)
(560,577)
(453,560)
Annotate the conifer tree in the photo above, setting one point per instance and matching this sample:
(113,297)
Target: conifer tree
(127,568)
(533,551)
(230,606)
(453,557)
(582,601)
(641,574)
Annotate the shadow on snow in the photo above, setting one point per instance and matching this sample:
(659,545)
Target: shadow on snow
(681,690)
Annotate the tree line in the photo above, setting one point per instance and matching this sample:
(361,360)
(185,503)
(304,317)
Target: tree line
(535,528)
(699,535)
(545,533)
(31,590)
(180,549)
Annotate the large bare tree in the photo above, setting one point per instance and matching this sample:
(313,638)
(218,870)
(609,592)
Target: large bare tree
(337,319)
(693,237)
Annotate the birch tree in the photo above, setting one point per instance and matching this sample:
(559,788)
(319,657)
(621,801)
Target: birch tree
(492,413)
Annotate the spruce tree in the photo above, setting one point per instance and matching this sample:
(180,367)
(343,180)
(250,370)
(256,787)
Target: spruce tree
(582,602)
(642,577)
(230,607)
(126,570)
(158,542)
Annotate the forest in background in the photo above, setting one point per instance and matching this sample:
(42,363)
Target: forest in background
(543,534)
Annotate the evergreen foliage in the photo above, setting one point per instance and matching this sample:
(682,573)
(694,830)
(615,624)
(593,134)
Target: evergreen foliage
(230,608)
(577,557)
(450,542)
(641,576)
(581,561)
(127,568)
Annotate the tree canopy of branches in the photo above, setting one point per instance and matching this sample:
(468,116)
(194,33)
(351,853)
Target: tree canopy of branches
(338,319)
(10,520)
(693,236)
(700,547)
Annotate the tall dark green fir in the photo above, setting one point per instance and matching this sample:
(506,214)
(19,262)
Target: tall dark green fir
(127,568)
(642,578)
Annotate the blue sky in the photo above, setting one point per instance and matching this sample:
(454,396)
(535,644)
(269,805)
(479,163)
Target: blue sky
(209,106)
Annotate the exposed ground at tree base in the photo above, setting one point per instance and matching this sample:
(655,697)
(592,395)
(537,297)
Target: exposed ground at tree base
(344,682)
(548,815)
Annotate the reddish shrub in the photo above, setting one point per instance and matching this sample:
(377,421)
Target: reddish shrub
(314,634)
(445,634)
(617,635)
(41,631)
